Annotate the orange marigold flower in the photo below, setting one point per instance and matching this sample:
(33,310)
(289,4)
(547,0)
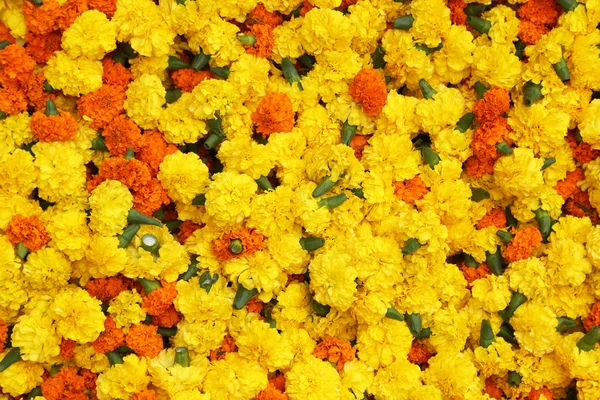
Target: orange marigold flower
(27,230)
(278,380)
(32,86)
(14,61)
(522,244)
(492,390)
(5,34)
(187,229)
(64,385)
(530,33)
(410,190)
(306,7)
(92,182)
(41,20)
(106,289)
(12,101)
(169,318)
(67,348)
(260,15)
(42,46)
(368,89)
(536,394)
(254,305)
(115,74)
(358,144)
(132,173)
(108,7)
(109,339)
(476,168)
(150,197)
(121,133)
(159,300)
(89,379)
(472,274)
(495,217)
(579,206)
(582,152)
(69,12)
(264,41)
(153,149)
(144,340)
(495,101)
(568,186)
(252,241)
(457,12)
(593,318)
(419,353)
(187,79)
(274,114)
(487,135)
(227,346)
(52,128)
(541,12)
(336,351)
(3,333)
(145,394)
(103,105)
(271,393)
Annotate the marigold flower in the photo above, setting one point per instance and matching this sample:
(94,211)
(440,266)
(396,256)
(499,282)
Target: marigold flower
(187,229)
(145,394)
(487,135)
(495,102)
(252,241)
(492,390)
(168,318)
(541,12)
(259,15)
(536,394)
(69,11)
(457,12)
(582,152)
(5,34)
(89,379)
(27,230)
(150,197)
(410,190)
(495,217)
(254,305)
(271,393)
(12,100)
(15,62)
(476,167)
(369,90)
(64,385)
(105,289)
(110,339)
(264,41)
(120,134)
(187,79)
(530,33)
(227,346)
(144,340)
(51,127)
(3,333)
(159,300)
(274,114)
(67,348)
(42,46)
(358,144)
(472,274)
(522,244)
(336,351)
(153,149)
(132,173)
(418,354)
(108,7)
(103,105)
(41,20)
(32,86)
(568,186)
(115,74)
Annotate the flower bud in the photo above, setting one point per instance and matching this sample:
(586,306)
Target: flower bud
(114,358)
(516,300)
(561,69)
(565,323)
(323,187)
(589,340)
(348,132)
(10,358)
(206,281)
(411,246)
(221,72)
(494,261)
(247,40)
(481,25)
(236,246)
(200,60)
(404,23)
(333,202)
(21,251)
(264,183)
(98,144)
(150,244)
(426,89)
(392,313)
(464,123)
(176,63)
(136,217)
(486,334)
(51,108)
(312,244)
(242,297)
(514,378)
(548,162)
(479,194)
(504,148)
(191,272)
(290,72)
(532,92)
(505,236)
(172,95)
(182,357)
(480,89)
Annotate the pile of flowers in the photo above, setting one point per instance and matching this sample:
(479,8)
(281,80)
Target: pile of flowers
(287,199)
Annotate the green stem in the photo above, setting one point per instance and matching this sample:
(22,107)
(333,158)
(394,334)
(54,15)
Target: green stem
(561,69)
(589,340)
(520,49)
(51,108)
(323,187)
(200,61)
(464,123)
(568,5)
(129,154)
(10,358)
(242,297)
(429,50)
(127,236)
(321,309)
(479,194)
(565,323)
(392,313)
(307,61)
(348,132)
(517,299)
(532,92)
(206,280)
(36,392)
(378,57)
(4,44)
(470,261)
(21,250)
(191,272)
(411,246)
(486,334)
(426,89)
(114,358)
(167,332)
(37,2)
(507,333)
(176,63)
(136,217)
(149,285)
(99,144)
(2,115)
(312,243)
(264,183)
(494,261)
(173,225)
(150,244)
(358,192)
(199,200)
(480,89)
(182,357)
(247,40)
(216,133)
(290,72)
(236,246)
(221,72)
(430,157)
(544,223)
(474,9)
(48,87)
(548,162)
(414,323)
(173,95)
(404,23)
(511,221)
(514,378)
(505,236)
(504,148)
(479,24)
(333,202)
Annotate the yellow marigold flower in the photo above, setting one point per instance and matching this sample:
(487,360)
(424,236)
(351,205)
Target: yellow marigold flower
(397,380)
(21,377)
(325,29)
(155,65)
(103,257)
(537,127)
(589,125)
(92,35)
(122,381)
(272,212)
(242,154)
(286,41)
(18,173)
(368,25)
(179,125)
(432,21)
(220,40)
(444,110)
(126,308)
(293,306)
(73,76)
(197,305)
(405,64)
(46,269)
(313,379)
(333,279)
(283,6)
(245,378)
(228,197)
(520,173)
(568,262)
(12,293)
(14,132)
(381,343)
(62,172)
(86,357)
(145,99)
(110,203)
(69,232)
(184,176)
(285,248)
(505,24)
(496,65)
(250,75)
(212,96)
(260,343)
(453,374)
(141,23)
(535,328)
(586,64)
(260,272)
(174,378)
(35,334)
(200,337)
(497,359)
(14,19)
(453,61)
(492,291)
(450,330)
(77,315)
(193,394)
(357,377)
(398,116)
(385,152)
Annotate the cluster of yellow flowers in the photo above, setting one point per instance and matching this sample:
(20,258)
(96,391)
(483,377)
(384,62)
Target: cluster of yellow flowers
(288,199)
